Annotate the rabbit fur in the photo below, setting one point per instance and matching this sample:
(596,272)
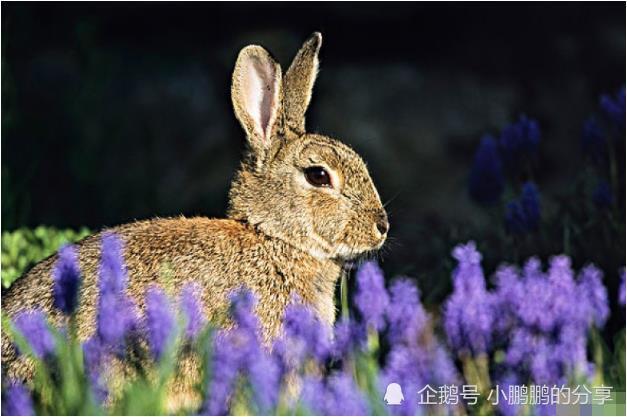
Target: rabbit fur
(282,235)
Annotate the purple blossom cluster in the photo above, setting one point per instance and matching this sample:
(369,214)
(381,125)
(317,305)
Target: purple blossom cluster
(16,401)
(599,139)
(520,139)
(416,358)
(468,315)
(486,182)
(523,215)
(516,149)
(539,319)
(614,108)
(518,142)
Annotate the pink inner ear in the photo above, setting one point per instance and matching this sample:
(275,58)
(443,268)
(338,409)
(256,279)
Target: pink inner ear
(260,96)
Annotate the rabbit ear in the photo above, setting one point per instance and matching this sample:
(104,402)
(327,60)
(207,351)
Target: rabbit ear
(299,82)
(256,96)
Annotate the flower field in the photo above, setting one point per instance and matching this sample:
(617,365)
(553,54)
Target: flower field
(532,329)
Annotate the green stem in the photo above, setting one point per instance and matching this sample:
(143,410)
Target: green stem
(344,294)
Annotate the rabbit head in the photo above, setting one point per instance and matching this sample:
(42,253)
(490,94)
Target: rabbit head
(308,190)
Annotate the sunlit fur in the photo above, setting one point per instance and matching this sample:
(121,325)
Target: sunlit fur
(282,236)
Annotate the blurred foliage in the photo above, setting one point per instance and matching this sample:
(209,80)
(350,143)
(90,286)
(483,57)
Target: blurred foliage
(23,248)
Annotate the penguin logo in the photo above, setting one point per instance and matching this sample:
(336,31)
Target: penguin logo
(393,394)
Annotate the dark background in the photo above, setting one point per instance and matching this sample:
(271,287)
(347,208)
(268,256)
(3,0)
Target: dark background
(115,112)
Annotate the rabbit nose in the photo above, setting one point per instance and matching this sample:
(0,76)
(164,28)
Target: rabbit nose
(382,223)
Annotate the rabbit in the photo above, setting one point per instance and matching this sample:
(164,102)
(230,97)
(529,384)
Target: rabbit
(300,206)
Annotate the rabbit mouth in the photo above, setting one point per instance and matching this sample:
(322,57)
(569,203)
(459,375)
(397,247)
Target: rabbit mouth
(348,253)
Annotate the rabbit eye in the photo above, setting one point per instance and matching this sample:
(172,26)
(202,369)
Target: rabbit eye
(318,177)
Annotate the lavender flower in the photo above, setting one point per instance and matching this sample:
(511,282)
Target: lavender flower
(226,365)
(305,335)
(621,288)
(113,274)
(468,313)
(520,138)
(595,293)
(544,328)
(117,317)
(159,321)
(405,365)
(338,396)
(314,396)
(191,306)
(67,279)
(415,358)
(507,406)
(33,327)
(593,140)
(371,298)
(614,108)
(243,303)
(117,314)
(348,337)
(347,399)
(264,374)
(523,215)
(486,182)
(405,314)
(237,350)
(240,350)
(16,401)
(95,355)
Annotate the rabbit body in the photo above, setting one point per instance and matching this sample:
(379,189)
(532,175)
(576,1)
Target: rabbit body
(300,205)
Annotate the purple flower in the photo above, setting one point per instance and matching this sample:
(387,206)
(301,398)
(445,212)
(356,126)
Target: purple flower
(95,355)
(314,396)
(160,321)
(405,365)
(530,201)
(264,374)
(67,279)
(595,294)
(117,314)
(416,358)
(593,141)
(348,337)
(347,399)
(226,363)
(243,303)
(523,215)
(405,314)
(507,406)
(614,108)
(237,350)
(621,288)
(486,182)
(544,319)
(33,326)
(544,363)
(113,274)
(338,395)
(16,401)
(305,335)
(191,306)
(520,138)
(468,312)
(371,298)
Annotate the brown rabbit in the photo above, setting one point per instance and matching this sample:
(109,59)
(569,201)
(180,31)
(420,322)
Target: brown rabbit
(300,205)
